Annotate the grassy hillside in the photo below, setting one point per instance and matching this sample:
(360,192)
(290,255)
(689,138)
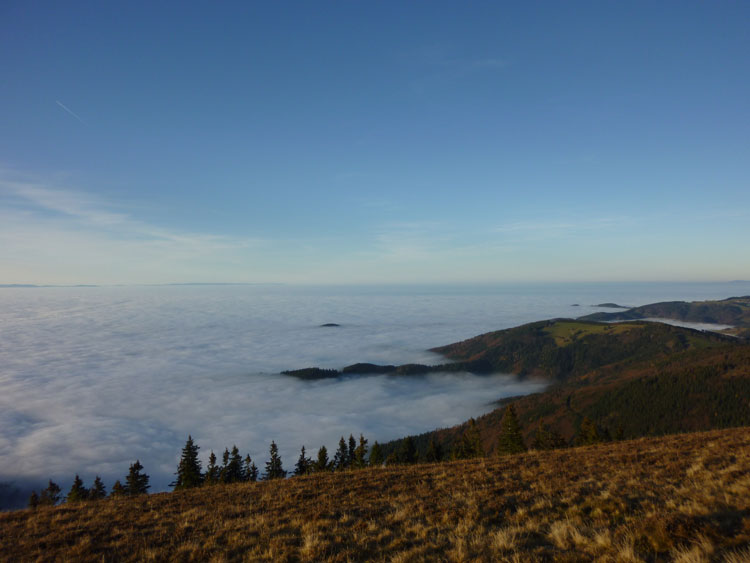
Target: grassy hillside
(562,348)
(682,496)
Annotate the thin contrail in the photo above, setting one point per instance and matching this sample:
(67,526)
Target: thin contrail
(62,105)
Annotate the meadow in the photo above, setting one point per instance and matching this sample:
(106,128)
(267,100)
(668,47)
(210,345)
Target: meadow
(681,497)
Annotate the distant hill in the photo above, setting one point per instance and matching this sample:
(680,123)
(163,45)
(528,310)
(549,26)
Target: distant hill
(734,311)
(631,379)
(555,349)
(680,497)
(562,348)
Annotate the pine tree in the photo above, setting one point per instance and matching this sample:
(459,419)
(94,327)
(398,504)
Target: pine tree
(251,471)
(33,500)
(223,474)
(341,457)
(588,433)
(97,490)
(547,439)
(274,469)
(407,451)
(136,483)
(510,440)
(303,464)
(189,469)
(213,471)
(77,493)
(360,453)
(474,440)
(469,446)
(376,455)
(232,470)
(51,495)
(322,463)
(434,451)
(118,490)
(351,450)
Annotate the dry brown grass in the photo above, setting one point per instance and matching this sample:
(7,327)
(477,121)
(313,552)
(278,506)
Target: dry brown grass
(682,498)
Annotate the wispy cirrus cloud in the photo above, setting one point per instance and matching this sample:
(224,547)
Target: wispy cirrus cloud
(94,212)
(52,234)
(66,108)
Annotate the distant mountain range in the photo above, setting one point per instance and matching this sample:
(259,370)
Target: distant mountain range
(734,311)
(631,378)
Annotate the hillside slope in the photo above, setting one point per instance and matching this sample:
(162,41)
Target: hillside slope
(733,311)
(645,500)
(562,348)
(632,379)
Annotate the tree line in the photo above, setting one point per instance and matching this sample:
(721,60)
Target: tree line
(234,468)
(351,454)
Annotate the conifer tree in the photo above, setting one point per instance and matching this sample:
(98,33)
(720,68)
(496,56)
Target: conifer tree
(376,455)
(547,439)
(274,469)
(473,440)
(189,469)
(407,451)
(97,490)
(322,463)
(303,464)
(434,451)
(360,454)
(510,440)
(351,450)
(51,495)
(250,472)
(341,457)
(77,493)
(588,433)
(232,470)
(117,490)
(33,500)
(224,463)
(469,446)
(136,483)
(213,471)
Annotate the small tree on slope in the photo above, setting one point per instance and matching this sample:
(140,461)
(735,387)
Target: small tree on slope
(274,469)
(136,483)
(510,440)
(303,463)
(97,490)
(189,470)
(78,493)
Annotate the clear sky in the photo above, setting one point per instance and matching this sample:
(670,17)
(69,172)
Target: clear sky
(366,142)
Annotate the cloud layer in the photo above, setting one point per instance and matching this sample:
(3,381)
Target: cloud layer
(93,378)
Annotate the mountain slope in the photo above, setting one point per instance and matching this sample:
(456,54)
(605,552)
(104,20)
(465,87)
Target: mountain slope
(733,311)
(562,348)
(631,379)
(652,499)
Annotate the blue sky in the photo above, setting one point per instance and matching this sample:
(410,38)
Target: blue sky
(333,142)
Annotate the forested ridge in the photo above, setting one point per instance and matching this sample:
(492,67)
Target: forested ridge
(627,380)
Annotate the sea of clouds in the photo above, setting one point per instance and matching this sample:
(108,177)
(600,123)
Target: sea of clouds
(93,378)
